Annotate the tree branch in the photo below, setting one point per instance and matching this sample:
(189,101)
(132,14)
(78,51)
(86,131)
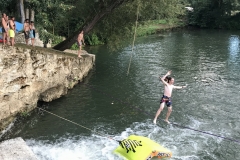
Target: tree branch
(88,26)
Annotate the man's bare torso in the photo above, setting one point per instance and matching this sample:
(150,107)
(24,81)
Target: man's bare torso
(168,90)
(4,23)
(26,27)
(80,37)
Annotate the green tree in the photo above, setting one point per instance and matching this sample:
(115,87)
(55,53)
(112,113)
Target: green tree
(5,6)
(99,10)
(107,20)
(116,18)
(120,24)
(49,16)
(213,14)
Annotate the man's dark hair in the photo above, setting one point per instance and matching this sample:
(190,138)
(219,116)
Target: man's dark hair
(167,79)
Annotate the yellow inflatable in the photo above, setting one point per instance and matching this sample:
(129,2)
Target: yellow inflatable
(141,148)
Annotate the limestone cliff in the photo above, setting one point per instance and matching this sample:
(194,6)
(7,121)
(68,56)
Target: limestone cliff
(30,74)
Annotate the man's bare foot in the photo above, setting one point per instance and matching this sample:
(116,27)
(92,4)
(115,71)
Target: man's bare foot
(167,121)
(154,121)
(79,56)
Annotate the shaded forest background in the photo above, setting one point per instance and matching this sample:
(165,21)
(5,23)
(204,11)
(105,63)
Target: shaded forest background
(113,21)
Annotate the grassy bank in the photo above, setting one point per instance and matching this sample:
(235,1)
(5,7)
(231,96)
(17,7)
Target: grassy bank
(150,27)
(155,26)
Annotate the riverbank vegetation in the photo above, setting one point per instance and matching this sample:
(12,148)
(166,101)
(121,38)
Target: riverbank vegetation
(217,14)
(114,21)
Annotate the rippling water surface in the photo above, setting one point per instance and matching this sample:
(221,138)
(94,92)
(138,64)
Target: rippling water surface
(116,105)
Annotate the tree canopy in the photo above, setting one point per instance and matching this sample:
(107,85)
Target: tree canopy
(215,14)
(112,21)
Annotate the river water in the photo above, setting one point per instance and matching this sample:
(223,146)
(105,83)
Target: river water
(110,103)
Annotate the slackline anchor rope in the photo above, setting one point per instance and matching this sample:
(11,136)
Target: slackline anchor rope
(77,124)
(120,142)
(134,38)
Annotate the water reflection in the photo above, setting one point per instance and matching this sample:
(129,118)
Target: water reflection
(233,46)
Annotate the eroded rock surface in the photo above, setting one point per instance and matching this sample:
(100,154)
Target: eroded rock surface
(29,74)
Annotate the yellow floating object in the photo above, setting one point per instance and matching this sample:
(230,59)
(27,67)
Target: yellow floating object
(141,148)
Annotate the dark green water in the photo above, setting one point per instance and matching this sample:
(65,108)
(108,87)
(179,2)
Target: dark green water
(116,105)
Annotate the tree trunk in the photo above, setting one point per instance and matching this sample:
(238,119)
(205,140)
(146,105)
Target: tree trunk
(66,44)
(53,29)
(22,11)
(32,15)
(27,13)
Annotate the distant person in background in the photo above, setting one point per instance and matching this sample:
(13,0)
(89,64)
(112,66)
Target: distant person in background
(12,28)
(8,20)
(80,42)
(32,32)
(4,28)
(26,28)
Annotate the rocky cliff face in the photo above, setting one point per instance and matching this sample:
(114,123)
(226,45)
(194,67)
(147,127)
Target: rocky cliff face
(30,74)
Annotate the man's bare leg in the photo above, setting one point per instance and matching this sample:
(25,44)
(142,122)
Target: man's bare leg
(8,40)
(32,40)
(158,112)
(12,41)
(79,51)
(4,38)
(168,114)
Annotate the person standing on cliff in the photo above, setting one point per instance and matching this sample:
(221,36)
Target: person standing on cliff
(166,98)
(26,28)
(4,28)
(80,42)
(12,28)
(32,32)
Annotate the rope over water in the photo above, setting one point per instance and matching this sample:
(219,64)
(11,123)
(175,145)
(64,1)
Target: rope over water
(175,124)
(134,38)
(122,143)
(133,107)
(76,124)
(204,132)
